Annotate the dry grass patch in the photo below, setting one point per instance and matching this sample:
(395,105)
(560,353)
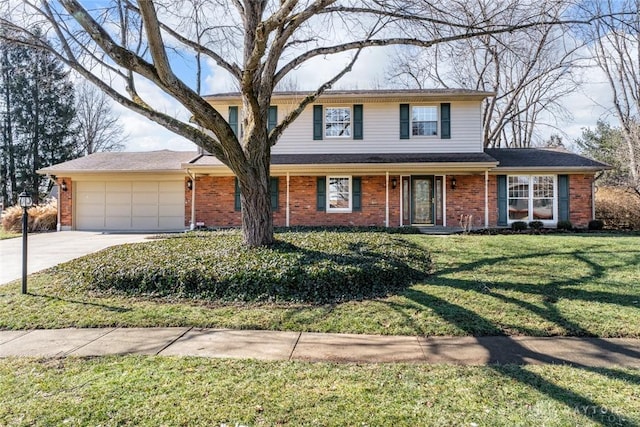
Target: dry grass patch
(618,208)
(41,218)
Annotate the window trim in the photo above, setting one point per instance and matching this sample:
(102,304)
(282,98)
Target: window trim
(329,209)
(437,121)
(530,199)
(324,122)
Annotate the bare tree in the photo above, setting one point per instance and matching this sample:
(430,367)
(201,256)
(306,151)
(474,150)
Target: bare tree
(616,49)
(529,71)
(98,126)
(257,42)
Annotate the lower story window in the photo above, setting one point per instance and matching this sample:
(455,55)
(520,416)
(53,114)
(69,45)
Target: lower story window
(339,194)
(532,198)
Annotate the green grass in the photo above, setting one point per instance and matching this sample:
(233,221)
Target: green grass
(8,234)
(151,391)
(575,285)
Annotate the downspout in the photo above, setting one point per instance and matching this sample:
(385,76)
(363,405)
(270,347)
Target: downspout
(287,208)
(486,199)
(386,203)
(192,222)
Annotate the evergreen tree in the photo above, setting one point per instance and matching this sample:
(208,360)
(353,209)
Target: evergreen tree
(40,112)
(606,144)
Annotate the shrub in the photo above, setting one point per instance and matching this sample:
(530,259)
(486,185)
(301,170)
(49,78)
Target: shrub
(596,224)
(41,218)
(519,226)
(536,225)
(618,208)
(564,225)
(315,267)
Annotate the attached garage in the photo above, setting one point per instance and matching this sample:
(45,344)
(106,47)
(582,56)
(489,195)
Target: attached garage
(129,205)
(123,191)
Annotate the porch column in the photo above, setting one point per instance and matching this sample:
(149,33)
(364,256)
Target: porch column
(287,208)
(486,199)
(192,223)
(386,203)
(444,200)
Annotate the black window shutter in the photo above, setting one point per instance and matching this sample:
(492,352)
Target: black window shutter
(404,121)
(563,197)
(233,119)
(274,192)
(502,200)
(317,122)
(445,120)
(321,194)
(272,119)
(358,131)
(356,201)
(237,205)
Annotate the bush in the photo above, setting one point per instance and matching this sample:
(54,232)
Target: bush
(536,225)
(41,218)
(315,267)
(564,225)
(596,224)
(519,226)
(618,208)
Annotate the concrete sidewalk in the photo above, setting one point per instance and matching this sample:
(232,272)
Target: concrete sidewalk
(319,347)
(46,250)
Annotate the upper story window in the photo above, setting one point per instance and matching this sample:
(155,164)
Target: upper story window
(337,122)
(417,121)
(424,120)
(345,122)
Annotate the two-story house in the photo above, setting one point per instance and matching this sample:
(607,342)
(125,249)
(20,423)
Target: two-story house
(362,157)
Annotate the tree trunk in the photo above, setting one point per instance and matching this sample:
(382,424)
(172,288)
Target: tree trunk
(255,199)
(255,194)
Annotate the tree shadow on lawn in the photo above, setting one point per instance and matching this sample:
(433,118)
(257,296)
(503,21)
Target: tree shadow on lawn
(85,303)
(511,350)
(507,356)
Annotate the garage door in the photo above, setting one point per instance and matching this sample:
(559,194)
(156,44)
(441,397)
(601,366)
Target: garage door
(130,205)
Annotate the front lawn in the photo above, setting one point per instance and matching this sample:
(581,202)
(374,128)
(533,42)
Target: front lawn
(576,285)
(8,234)
(153,391)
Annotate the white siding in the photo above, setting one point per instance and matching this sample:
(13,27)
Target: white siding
(381,125)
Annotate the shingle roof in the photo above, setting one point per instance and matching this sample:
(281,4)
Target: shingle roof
(542,158)
(163,160)
(369,93)
(374,158)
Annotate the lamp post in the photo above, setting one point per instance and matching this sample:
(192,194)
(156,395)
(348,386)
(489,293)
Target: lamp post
(25,203)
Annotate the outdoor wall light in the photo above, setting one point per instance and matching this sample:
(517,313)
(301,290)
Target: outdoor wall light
(189,184)
(394,183)
(454,183)
(63,185)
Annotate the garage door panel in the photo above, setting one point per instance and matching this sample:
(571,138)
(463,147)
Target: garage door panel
(171,222)
(129,205)
(145,210)
(145,198)
(145,186)
(118,210)
(145,223)
(118,187)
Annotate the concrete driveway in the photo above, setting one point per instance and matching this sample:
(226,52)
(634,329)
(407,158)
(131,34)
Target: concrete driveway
(49,249)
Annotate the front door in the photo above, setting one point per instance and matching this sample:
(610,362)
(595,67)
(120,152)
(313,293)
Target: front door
(422,206)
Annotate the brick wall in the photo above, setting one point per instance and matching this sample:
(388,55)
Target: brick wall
(215,203)
(580,199)
(468,199)
(66,203)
